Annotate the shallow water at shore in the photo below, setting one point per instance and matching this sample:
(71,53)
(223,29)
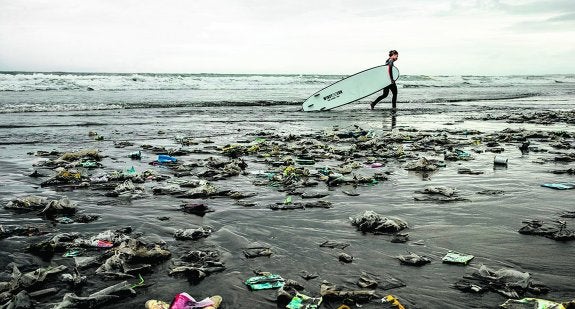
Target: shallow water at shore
(485,225)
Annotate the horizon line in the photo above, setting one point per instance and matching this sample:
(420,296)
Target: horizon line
(213,73)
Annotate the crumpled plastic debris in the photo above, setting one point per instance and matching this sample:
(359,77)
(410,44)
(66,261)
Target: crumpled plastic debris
(345,258)
(30,279)
(372,222)
(265,282)
(21,231)
(531,303)
(330,291)
(198,264)
(413,259)
(45,205)
(422,165)
(438,194)
(457,154)
(66,177)
(254,252)
(127,188)
(538,227)
(301,301)
(185,301)
(453,257)
(193,234)
(199,209)
(507,282)
(334,244)
(298,205)
(107,295)
(393,301)
(20,301)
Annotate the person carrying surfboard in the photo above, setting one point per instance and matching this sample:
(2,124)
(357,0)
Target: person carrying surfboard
(393,55)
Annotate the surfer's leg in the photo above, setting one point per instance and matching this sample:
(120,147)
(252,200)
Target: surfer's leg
(393,88)
(381,97)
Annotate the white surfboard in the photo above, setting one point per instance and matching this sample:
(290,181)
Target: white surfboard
(350,89)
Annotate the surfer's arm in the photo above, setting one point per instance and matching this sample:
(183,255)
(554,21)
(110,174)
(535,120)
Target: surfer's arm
(390,71)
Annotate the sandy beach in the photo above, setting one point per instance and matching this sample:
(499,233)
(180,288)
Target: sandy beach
(262,162)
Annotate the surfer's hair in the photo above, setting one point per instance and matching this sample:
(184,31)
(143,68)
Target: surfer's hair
(393,52)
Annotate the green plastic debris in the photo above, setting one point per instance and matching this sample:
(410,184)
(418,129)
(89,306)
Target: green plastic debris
(324,170)
(72,253)
(531,303)
(266,282)
(89,164)
(140,283)
(65,220)
(301,301)
(131,171)
(260,140)
(453,257)
(462,154)
(287,201)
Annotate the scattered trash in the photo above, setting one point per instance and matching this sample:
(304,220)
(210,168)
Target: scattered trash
(185,301)
(257,252)
(301,301)
(136,155)
(107,295)
(559,186)
(269,281)
(193,234)
(498,160)
(392,300)
(334,244)
(400,238)
(507,282)
(372,222)
(345,258)
(307,276)
(468,171)
(73,252)
(166,159)
(528,303)
(440,194)
(537,227)
(413,259)
(453,257)
(196,208)
(330,291)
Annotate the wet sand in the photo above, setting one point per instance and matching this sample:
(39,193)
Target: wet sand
(483,225)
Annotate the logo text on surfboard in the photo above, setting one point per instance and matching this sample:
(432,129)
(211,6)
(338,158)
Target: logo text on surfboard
(332,96)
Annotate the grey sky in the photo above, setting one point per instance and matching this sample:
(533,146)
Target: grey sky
(439,37)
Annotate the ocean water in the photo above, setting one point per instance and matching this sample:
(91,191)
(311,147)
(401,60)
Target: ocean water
(56,111)
(32,92)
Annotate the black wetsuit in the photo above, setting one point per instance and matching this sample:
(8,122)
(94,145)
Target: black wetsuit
(391,87)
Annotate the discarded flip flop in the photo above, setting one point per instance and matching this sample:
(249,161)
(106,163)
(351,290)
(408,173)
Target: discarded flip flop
(559,186)
(156,304)
(217,299)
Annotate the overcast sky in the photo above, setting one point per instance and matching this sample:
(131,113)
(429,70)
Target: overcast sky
(437,37)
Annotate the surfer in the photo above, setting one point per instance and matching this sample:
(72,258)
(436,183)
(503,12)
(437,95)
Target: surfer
(393,55)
